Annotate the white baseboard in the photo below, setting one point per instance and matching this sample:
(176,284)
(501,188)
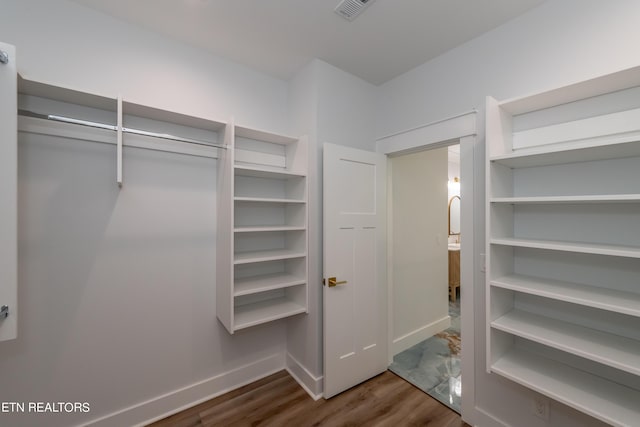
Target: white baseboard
(414,337)
(484,419)
(310,383)
(170,403)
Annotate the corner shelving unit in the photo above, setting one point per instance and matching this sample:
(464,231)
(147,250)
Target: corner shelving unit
(563,242)
(262,229)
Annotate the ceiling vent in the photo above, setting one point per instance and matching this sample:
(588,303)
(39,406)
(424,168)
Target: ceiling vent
(350,9)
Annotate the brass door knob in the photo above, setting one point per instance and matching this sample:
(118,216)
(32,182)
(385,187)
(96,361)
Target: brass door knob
(334,282)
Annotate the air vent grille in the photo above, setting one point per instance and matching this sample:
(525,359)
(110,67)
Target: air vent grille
(350,9)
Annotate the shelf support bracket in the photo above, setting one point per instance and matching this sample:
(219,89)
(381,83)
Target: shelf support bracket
(119,144)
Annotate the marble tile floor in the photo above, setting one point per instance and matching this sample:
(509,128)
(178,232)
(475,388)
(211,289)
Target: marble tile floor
(433,365)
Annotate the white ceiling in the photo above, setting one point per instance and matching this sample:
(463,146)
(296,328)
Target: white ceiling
(280,36)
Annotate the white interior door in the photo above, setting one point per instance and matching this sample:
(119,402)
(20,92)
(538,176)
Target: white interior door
(8,192)
(355,309)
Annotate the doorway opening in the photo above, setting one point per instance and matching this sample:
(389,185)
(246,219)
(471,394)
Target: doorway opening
(359,305)
(425,243)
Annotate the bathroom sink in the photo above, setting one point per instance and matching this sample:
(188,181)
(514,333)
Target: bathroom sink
(454,246)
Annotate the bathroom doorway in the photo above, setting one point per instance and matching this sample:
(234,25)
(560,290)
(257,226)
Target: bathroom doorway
(424,228)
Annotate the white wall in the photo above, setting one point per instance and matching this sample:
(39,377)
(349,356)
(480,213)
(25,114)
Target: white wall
(557,43)
(117,287)
(69,45)
(560,42)
(453,169)
(418,198)
(329,105)
(304,333)
(346,108)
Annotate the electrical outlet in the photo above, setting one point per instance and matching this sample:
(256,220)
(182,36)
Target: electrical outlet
(540,407)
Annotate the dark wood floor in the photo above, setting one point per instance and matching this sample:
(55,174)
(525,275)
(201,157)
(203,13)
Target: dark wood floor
(386,400)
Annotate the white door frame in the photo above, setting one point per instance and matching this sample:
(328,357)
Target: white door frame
(457,129)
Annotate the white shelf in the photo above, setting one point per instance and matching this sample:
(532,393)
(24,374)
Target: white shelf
(606,348)
(265,311)
(264,136)
(152,113)
(613,147)
(584,147)
(596,86)
(264,277)
(585,248)
(267,282)
(605,400)
(590,296)
(266,172)
(267,200)
(589,199)
(267,228)
(72,96)
(262,256)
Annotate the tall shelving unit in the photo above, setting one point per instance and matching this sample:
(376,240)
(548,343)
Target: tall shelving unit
(262,229)
(563,242)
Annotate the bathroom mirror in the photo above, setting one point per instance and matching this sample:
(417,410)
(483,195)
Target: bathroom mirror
(454,216)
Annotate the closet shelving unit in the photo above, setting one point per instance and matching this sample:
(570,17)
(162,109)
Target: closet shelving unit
(262,229)
(563,242)
(116,121)
(262,190)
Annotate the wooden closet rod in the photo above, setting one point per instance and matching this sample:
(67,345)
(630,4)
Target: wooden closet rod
(97,125)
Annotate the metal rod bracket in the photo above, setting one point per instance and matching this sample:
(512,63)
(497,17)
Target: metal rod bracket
(4,57)
(4,312)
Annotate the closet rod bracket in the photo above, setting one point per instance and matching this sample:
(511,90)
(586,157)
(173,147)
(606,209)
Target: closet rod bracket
(4,57)
(4,312)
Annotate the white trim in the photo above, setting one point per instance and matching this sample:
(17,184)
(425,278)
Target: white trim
(432,135)
(437,134)
(470,192)
(390,284)
(178,400)
(406,341)
(484,419)
(309,382)
(457,116)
